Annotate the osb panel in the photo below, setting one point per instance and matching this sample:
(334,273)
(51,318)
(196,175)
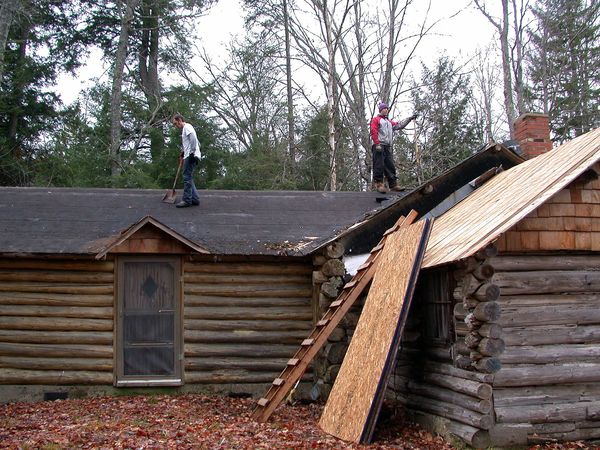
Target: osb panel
(349,406)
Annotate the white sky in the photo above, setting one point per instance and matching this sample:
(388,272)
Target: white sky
(459,36)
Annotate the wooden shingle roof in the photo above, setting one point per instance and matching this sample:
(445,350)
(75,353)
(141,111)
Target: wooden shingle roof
(507,198)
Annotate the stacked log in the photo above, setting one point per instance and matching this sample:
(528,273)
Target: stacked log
(478,336)
(329,276)
(56,321)
(243,319)
(548,388)
(450,400)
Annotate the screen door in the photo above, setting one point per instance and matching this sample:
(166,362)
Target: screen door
(149,322)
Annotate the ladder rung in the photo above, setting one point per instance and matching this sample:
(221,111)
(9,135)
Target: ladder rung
(336,303)
(349,284)
(391,230)
(293,362)
(307,342)
(263,402)
(377,248)
(278,381)
(322,322)
(365,265)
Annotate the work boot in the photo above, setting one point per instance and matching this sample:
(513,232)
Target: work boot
(397,188)
(380,187)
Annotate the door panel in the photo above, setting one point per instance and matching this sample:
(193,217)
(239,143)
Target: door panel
(149,318)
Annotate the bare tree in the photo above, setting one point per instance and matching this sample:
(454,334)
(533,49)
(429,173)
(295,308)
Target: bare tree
(520,10)
(367,56)
(270,19)
(289,86)
(485,81)
(512,54)
(319,50)
(251,82)
(117,83)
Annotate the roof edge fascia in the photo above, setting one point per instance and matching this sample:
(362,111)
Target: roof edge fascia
(149,220)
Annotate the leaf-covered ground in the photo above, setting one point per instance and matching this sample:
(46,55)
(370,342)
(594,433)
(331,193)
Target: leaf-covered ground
(187,422)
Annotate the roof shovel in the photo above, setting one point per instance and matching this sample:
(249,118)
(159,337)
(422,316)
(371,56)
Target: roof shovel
(171,194)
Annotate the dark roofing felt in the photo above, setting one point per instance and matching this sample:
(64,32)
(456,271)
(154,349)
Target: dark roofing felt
(74,221)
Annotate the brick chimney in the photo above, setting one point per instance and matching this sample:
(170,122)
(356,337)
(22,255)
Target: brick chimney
(532,132)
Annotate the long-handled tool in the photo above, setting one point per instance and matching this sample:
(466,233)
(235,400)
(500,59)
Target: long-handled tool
(171,195)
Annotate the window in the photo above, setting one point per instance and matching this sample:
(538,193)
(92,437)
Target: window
(434,292)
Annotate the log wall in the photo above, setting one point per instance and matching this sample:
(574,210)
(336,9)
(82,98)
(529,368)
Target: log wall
(56,322)
(549,384)
(447,386)
(243,320)
(329,277)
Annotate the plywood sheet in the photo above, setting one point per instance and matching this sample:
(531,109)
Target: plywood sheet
(355,400)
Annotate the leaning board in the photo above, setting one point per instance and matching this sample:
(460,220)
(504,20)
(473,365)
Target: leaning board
(355,400)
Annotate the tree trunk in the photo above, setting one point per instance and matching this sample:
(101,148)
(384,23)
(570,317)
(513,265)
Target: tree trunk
(386,87)
(17,91)
(509,106)
(117,85)
(148,69)
(8,9)
(290,93)
(518,61)
(330,97)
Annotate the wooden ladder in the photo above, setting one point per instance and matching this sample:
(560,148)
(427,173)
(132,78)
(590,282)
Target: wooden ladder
(309,347)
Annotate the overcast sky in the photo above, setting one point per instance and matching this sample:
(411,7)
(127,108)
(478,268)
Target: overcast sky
(456,34)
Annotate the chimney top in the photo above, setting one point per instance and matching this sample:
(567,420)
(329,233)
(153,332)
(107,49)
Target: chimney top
(532,131)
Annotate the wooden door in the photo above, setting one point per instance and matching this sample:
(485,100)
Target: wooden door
(148,322)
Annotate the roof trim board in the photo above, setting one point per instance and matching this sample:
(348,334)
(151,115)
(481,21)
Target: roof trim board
(129,232)
(507,198)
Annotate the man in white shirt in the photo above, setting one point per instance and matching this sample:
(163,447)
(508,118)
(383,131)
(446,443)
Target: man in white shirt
(190,154)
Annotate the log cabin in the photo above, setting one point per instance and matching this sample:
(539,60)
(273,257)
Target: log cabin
(103,291)
(106,291)
(502,343)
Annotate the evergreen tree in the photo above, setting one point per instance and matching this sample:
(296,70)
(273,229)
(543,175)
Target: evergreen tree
(313,152)
(42,41)
(564,66)
(445,130)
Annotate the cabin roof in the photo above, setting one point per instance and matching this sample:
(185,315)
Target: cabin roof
(507,198)
(67,220)
(296,223)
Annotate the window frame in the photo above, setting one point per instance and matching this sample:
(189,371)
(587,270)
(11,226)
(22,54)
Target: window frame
(438,306)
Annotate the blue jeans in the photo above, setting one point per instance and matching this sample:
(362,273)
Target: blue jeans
(190,193)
